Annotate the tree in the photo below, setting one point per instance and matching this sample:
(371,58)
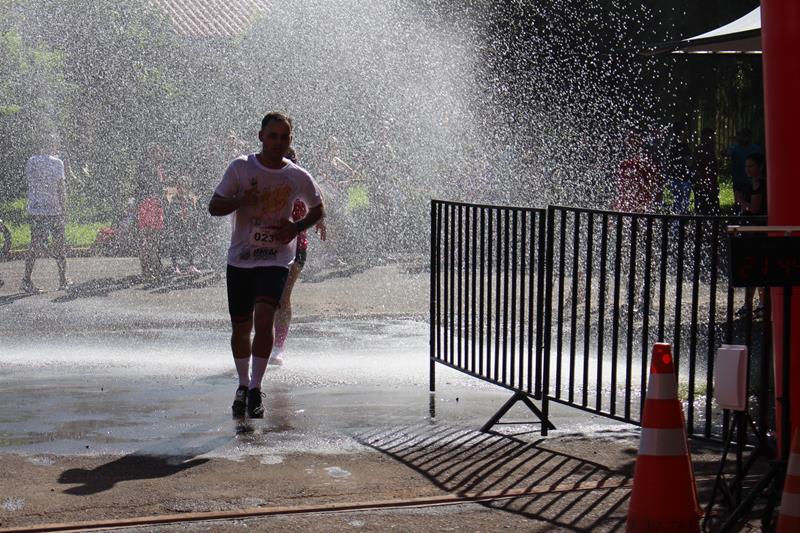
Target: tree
(102,78)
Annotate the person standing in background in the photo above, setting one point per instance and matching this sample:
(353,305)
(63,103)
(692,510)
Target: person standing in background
(738,154)
(150,225)
(704,175)
(181,218)
(638,182)
(754,203)
(678,159)
(47,209)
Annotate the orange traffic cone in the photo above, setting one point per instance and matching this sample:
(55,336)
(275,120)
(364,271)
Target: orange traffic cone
(789,514)
(664,497)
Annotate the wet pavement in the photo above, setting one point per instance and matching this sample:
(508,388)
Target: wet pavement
(115,397)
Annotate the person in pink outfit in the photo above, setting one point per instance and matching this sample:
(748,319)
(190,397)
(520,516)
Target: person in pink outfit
(284,315)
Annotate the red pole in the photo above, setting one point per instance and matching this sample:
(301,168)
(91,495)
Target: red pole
(780,37)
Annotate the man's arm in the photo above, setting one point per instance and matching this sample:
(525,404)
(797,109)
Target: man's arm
(313,216)
(289,230)
(219,206)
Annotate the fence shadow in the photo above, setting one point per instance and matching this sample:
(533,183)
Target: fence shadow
(564,491)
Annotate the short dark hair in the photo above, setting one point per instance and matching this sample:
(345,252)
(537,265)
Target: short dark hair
(275,116)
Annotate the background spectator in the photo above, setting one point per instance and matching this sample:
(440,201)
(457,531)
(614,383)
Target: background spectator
(704,175)
(150,223)
(737,154)
(678,178)
(182,227)
(638,183)
(46,207)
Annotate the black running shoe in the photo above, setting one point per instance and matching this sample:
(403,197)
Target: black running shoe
(239,402)
(255,408)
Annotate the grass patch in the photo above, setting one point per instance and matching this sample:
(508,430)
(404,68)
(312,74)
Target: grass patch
(82,235)
(78,235)
(700,390)
(14,211)
(726,201)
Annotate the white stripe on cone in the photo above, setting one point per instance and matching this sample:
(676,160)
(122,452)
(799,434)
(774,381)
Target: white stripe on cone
(662,387)
(664,442)
(790,504)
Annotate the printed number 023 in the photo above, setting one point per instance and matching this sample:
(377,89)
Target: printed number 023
(263,237)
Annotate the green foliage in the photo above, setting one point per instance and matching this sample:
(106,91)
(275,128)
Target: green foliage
(726,200)
(83,235)
(103,78)
(11,43)
(48,59)
(78,235)
(20,236)
(357,197)
(14,211)
(80,210)
(110,79)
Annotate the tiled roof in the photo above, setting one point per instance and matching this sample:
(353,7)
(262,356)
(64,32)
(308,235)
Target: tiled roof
(212,18)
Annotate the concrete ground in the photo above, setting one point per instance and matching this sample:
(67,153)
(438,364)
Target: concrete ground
(115,399)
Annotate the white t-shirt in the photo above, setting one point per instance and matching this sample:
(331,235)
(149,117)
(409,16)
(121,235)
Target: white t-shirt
(252,242)
(45,176)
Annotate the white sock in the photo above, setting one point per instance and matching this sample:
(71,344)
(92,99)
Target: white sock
(259,367)
(243,370)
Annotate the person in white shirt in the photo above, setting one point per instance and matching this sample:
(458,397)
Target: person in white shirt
(46,194)
(259,190)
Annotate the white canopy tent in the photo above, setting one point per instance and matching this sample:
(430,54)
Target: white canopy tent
(742,36)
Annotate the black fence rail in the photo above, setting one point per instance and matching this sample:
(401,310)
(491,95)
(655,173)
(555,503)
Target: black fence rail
(564,304)
(617,283)
(487,295)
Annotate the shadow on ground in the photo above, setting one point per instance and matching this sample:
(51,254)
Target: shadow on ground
(11,298)
(143,464)
(468,462)
(168,283)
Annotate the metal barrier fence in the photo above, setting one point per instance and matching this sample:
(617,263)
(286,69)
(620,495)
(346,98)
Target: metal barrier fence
(565,304)
(487,294)
(616,284)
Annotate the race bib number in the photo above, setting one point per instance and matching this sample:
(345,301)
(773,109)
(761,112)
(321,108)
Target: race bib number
(262,242)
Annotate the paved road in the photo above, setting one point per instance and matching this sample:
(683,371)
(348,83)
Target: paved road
(114,402)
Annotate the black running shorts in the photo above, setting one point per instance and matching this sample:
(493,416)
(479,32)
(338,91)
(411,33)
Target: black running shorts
(249,286)
(45,226)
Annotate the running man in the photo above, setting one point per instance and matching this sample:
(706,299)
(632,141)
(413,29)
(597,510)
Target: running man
(260,190)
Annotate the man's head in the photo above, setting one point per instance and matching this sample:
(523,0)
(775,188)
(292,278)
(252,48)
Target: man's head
(275,135)
(754,165)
